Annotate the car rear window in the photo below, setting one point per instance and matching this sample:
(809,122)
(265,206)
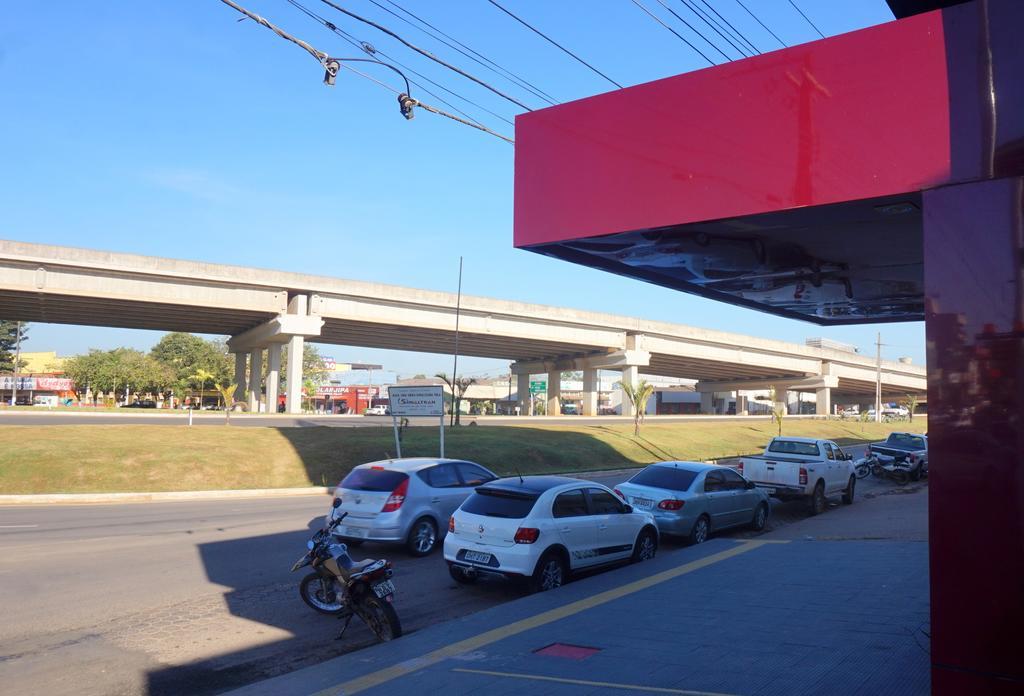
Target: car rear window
(665,477)
(373,480)
(793,447)
(492,502)
(904,440)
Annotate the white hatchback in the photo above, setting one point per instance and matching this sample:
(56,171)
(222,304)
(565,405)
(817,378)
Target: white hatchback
(542,528)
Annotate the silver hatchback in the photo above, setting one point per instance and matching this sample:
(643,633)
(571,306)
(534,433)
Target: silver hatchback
(692,499)
(406,501)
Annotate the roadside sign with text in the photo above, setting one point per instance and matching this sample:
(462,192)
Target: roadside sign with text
(538,387)
(416,401)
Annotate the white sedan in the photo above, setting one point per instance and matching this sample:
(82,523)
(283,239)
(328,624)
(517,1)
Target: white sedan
(542,528)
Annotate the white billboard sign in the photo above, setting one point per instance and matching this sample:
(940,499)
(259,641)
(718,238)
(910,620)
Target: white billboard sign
(416,401)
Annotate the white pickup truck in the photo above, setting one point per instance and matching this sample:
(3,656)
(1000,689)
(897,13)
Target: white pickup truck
(800,467)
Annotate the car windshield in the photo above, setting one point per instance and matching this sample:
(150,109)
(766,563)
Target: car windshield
(793,447)
(670,477)
(494,502)
(373,480)
(905,440)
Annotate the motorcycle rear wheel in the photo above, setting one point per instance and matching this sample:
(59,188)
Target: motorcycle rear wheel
(321,599)
(381,618)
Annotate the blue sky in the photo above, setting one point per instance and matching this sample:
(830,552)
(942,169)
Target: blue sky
(172,129)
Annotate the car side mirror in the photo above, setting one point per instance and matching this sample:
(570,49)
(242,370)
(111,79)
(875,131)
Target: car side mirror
(750,485)
(628,509)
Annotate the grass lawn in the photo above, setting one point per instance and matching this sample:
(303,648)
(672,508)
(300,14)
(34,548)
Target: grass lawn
(145,458)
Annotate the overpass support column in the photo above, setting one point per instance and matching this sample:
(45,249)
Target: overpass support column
(240,358)
(741,405)
(273,376)
(255,380)
(296,345)
(630,375)
(823,398)
(590,387)
(523,393)
(554,405)
(707,403)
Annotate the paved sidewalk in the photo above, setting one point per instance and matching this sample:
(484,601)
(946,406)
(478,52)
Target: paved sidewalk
(758,617)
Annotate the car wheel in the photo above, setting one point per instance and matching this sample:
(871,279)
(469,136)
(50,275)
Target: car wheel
(551,572)
(818,501)
(760,517)
(701,530)
(902,478)
(848,493)
(646,545)
(422,537)
(460,575)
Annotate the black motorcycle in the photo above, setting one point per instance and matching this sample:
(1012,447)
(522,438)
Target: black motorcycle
(897,470)
(346,588)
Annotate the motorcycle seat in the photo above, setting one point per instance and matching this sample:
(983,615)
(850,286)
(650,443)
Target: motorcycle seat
(364,566)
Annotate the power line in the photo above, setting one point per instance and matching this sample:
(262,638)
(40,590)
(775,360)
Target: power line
(806,18)
(658,19)
(370,50)
(704,17)
(332,65)
(473,55)
(756,19)
(736,32)
(547,38)
(694,29)
(427,53)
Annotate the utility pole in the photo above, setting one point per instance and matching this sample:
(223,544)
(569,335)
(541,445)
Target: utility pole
(17,360)
(455,368)
(878,378)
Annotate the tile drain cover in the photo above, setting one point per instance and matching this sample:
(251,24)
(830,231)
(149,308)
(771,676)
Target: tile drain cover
(570,652)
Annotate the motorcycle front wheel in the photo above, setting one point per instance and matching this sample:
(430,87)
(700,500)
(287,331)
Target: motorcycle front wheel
(321,594)
(381,618)
(863,470)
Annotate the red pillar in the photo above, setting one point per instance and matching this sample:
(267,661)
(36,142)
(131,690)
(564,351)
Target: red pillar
(974,249)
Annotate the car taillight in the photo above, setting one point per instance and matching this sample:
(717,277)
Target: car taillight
(451,523)
(397,497)
(803,476)
(869,449)
(619,493)
(739,467)
(526,535)
(671,504)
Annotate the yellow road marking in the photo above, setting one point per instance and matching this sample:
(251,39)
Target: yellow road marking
(368,681)
(585,682)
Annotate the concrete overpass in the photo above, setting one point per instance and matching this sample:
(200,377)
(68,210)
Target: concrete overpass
(262,310)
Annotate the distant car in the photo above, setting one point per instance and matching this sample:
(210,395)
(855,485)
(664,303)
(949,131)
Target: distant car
(542,528)
(693,500)
(570,410)
(405,501)
(376,411)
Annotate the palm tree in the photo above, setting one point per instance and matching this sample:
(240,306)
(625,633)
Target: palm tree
(638,395)
(910,403)
(227,393)
(203,376)
(778,408)
(459,385)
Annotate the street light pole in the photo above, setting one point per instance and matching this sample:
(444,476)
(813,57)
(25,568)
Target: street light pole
(455,368)
(17,359)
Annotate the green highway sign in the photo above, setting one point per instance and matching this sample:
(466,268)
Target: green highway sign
(538,387)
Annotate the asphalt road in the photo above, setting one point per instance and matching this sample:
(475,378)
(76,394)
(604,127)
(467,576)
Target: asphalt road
(197,597)
(131,417)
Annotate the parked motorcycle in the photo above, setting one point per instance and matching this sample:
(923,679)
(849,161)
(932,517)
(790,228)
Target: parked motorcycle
(862,467)
(898,470)
(346,588)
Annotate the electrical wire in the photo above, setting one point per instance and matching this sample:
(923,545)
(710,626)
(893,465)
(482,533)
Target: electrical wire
(554,43)
(694,29)
(806,18)
(736,32)
(370,50)
(657,19)
(473,55)
(763,25)
(405,100)
(707,20)
(426,53)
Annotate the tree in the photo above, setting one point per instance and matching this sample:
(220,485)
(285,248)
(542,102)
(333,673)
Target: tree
(10,332)
(459,385)
(637,395)
(910,403)
(778,408)
(227,394)
(110,370)
(184,354)
(203,376)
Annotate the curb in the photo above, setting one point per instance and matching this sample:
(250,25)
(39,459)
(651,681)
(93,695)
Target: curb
(91,498)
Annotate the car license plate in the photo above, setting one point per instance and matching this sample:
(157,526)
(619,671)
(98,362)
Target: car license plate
(769,491)
(384,589)
(478,557)
(357,532)
(645,503)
